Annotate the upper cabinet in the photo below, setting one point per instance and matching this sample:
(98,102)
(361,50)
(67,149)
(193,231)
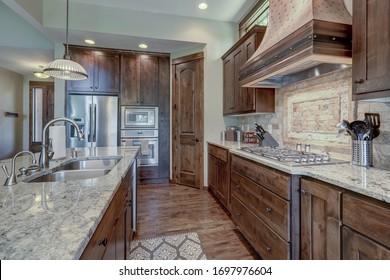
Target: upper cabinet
(371,49)
(140,79)
(102,68)
(238,100)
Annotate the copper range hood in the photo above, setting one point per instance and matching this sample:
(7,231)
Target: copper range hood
(304,39)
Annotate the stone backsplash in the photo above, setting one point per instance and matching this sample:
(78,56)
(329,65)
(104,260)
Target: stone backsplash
(308,111)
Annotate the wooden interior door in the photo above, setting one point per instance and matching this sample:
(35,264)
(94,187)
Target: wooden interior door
(187,114)
(41,111)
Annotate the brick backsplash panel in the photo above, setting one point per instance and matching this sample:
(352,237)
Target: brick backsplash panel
(308,111)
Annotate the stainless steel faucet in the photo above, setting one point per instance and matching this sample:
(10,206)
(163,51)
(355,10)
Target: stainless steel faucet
(11,178)
(44,156)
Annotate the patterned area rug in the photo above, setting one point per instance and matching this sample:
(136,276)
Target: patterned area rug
(184,246)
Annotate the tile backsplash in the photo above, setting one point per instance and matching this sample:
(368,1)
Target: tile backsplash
(308,111)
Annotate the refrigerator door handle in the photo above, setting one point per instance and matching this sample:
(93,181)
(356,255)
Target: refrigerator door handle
(94,123)
(90,123)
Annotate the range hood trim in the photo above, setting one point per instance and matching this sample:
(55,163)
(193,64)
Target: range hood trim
(318,41)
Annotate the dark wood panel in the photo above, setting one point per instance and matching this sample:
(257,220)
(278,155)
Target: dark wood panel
(130,77)
(272,209)
(85,58)
(320,221)
(106,72)
(265,240)
(368,217)
(149,80)
(359,247)
(273,180)
(218,152)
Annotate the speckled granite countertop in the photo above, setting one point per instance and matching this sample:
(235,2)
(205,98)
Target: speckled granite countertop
(372,182)
(57,220)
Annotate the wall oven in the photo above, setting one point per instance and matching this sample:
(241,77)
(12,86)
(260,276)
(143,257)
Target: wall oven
(138,117)
(147,140)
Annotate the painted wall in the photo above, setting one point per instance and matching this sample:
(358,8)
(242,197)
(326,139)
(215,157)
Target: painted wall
(308,111)
(11,128)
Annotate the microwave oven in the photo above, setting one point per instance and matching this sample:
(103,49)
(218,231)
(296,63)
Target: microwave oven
(136,117)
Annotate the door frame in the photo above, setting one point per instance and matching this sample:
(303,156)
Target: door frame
(175,118)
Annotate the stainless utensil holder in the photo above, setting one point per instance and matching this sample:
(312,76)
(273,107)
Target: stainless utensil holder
(362,153)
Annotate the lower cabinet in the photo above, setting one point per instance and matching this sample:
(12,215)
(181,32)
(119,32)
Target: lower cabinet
(112,238)
(219,170)
(264,205)
(320,221)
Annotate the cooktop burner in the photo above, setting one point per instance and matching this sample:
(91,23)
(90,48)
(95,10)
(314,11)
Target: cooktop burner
(292,157)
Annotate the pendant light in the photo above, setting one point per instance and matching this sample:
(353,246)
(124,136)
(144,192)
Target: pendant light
(65,68)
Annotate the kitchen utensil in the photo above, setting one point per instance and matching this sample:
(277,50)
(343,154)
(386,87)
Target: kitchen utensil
(359,128)
(373,119)
(346,126)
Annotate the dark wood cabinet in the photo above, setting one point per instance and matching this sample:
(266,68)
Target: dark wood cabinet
(112,237)
(264,206)
(371,49)
(320,221)
(219,173)
(140,79)
(102,67)
(238,100)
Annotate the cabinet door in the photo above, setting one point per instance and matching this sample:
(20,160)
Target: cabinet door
(129,229)
(223,175)
(149,80)
(239,60)
(213,173)
(130,77)
(86,59)
(120,236)
(359,247)
(106,72)
(371,49)
(228,86)
(246,97)
(320,221)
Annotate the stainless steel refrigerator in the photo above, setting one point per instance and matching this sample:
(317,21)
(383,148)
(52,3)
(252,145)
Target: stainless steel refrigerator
(97,116)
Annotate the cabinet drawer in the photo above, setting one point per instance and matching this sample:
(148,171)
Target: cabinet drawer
(265,240)
(272,209)
(275,181)
(219,153)
(359,247)
(368,217)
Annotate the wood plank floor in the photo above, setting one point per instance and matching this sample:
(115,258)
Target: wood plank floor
(169,209)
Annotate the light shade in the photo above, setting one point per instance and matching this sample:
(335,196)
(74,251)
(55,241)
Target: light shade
(40,75)
(65,69)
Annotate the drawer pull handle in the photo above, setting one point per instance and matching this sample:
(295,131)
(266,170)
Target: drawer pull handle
(358,81)
(268,248)
(103,242)
(303,192)
(238,215)
(269,210)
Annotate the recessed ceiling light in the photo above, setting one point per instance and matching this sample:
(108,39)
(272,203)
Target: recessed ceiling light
(203,6)
(143,46)
(89,41)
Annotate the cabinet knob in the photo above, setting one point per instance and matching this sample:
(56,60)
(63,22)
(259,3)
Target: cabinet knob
(268,248)
(358,81)
(103,242)
(238,214)
(91,87)
(303,192)
(196,139)
(269,210)
(238,186)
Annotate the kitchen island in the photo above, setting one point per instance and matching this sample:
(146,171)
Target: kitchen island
(56,220)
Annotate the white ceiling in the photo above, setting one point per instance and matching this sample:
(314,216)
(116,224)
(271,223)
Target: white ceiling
(25,60)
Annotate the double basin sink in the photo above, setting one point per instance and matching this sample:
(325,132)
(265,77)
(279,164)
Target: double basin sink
(77,170)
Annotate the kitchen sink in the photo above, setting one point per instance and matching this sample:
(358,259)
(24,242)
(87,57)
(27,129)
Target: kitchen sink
(77,170)
(89,164)
(67,175)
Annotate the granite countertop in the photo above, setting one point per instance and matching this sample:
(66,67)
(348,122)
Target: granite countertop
(372,182)
(56,220)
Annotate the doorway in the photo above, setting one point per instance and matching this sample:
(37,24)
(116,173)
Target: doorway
(187,120)
(41,110)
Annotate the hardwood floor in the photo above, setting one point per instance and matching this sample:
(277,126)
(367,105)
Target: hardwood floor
(169,209)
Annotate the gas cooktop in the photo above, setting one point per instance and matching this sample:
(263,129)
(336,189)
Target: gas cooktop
(292,157)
